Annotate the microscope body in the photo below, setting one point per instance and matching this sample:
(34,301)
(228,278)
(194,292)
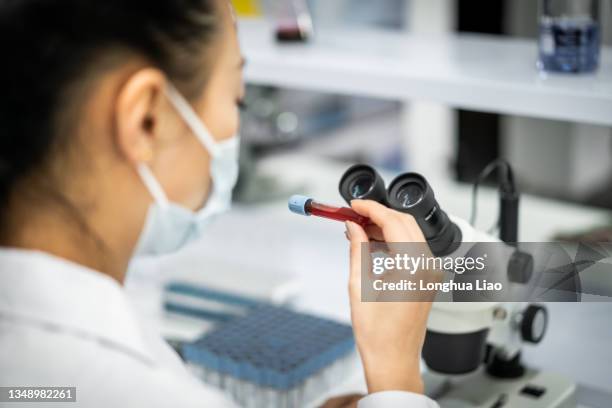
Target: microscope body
(473,351)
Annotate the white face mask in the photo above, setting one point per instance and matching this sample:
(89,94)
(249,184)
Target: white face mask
(170,226)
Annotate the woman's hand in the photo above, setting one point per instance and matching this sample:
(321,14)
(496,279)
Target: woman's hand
(389,335)
(343,401)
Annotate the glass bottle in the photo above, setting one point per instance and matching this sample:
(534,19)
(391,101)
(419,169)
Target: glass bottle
(570,36)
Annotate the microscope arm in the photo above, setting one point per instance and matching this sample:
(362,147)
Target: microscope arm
(471,234)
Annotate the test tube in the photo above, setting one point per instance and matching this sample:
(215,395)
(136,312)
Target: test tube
(307,206)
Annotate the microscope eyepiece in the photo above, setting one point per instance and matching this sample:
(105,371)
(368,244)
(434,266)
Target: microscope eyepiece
(411,193)
(362,182)
(361,186)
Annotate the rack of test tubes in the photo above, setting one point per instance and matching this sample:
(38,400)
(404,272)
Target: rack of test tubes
(268,356)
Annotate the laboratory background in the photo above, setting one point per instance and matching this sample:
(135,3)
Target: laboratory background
(438,87)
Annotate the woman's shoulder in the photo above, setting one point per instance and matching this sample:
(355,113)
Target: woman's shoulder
(103,376)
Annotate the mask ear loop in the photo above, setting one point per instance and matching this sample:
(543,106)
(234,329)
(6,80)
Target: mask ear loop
(199,130)
(155,189)
(192,120)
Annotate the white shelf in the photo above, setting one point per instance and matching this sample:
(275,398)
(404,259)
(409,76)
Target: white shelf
(476,72)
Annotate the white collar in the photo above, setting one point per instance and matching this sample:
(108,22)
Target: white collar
(39,288)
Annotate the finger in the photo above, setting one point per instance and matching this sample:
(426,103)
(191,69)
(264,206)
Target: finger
(376,212)
(374,232)
(411,224)
(358,238)
(343,401)
(395,226)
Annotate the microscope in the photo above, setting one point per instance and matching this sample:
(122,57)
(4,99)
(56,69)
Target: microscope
(473,346)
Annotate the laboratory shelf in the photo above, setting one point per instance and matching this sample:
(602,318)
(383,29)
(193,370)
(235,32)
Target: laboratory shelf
(475,72)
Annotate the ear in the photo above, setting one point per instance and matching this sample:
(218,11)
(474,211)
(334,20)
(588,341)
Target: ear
(137,113)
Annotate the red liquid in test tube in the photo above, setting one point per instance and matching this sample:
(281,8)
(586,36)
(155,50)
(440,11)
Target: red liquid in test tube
(307,206)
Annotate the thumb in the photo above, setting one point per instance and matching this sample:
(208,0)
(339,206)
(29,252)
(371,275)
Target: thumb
(358,239)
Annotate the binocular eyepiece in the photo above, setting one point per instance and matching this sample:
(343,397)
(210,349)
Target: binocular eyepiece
(363,182)
(408,193)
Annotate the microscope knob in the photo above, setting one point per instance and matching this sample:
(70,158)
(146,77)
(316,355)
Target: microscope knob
(534,323)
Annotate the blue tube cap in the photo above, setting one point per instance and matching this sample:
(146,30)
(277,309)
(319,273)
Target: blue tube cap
(297,204)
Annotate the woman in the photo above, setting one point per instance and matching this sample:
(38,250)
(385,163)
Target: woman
(118,120)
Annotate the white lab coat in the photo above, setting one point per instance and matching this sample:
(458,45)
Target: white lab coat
(62,324)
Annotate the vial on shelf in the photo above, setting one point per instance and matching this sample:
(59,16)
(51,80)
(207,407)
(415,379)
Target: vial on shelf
(570,38)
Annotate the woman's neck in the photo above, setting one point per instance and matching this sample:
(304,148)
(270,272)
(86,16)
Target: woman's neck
(65,235)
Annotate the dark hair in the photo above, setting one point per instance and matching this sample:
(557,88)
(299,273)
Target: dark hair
(51,47)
